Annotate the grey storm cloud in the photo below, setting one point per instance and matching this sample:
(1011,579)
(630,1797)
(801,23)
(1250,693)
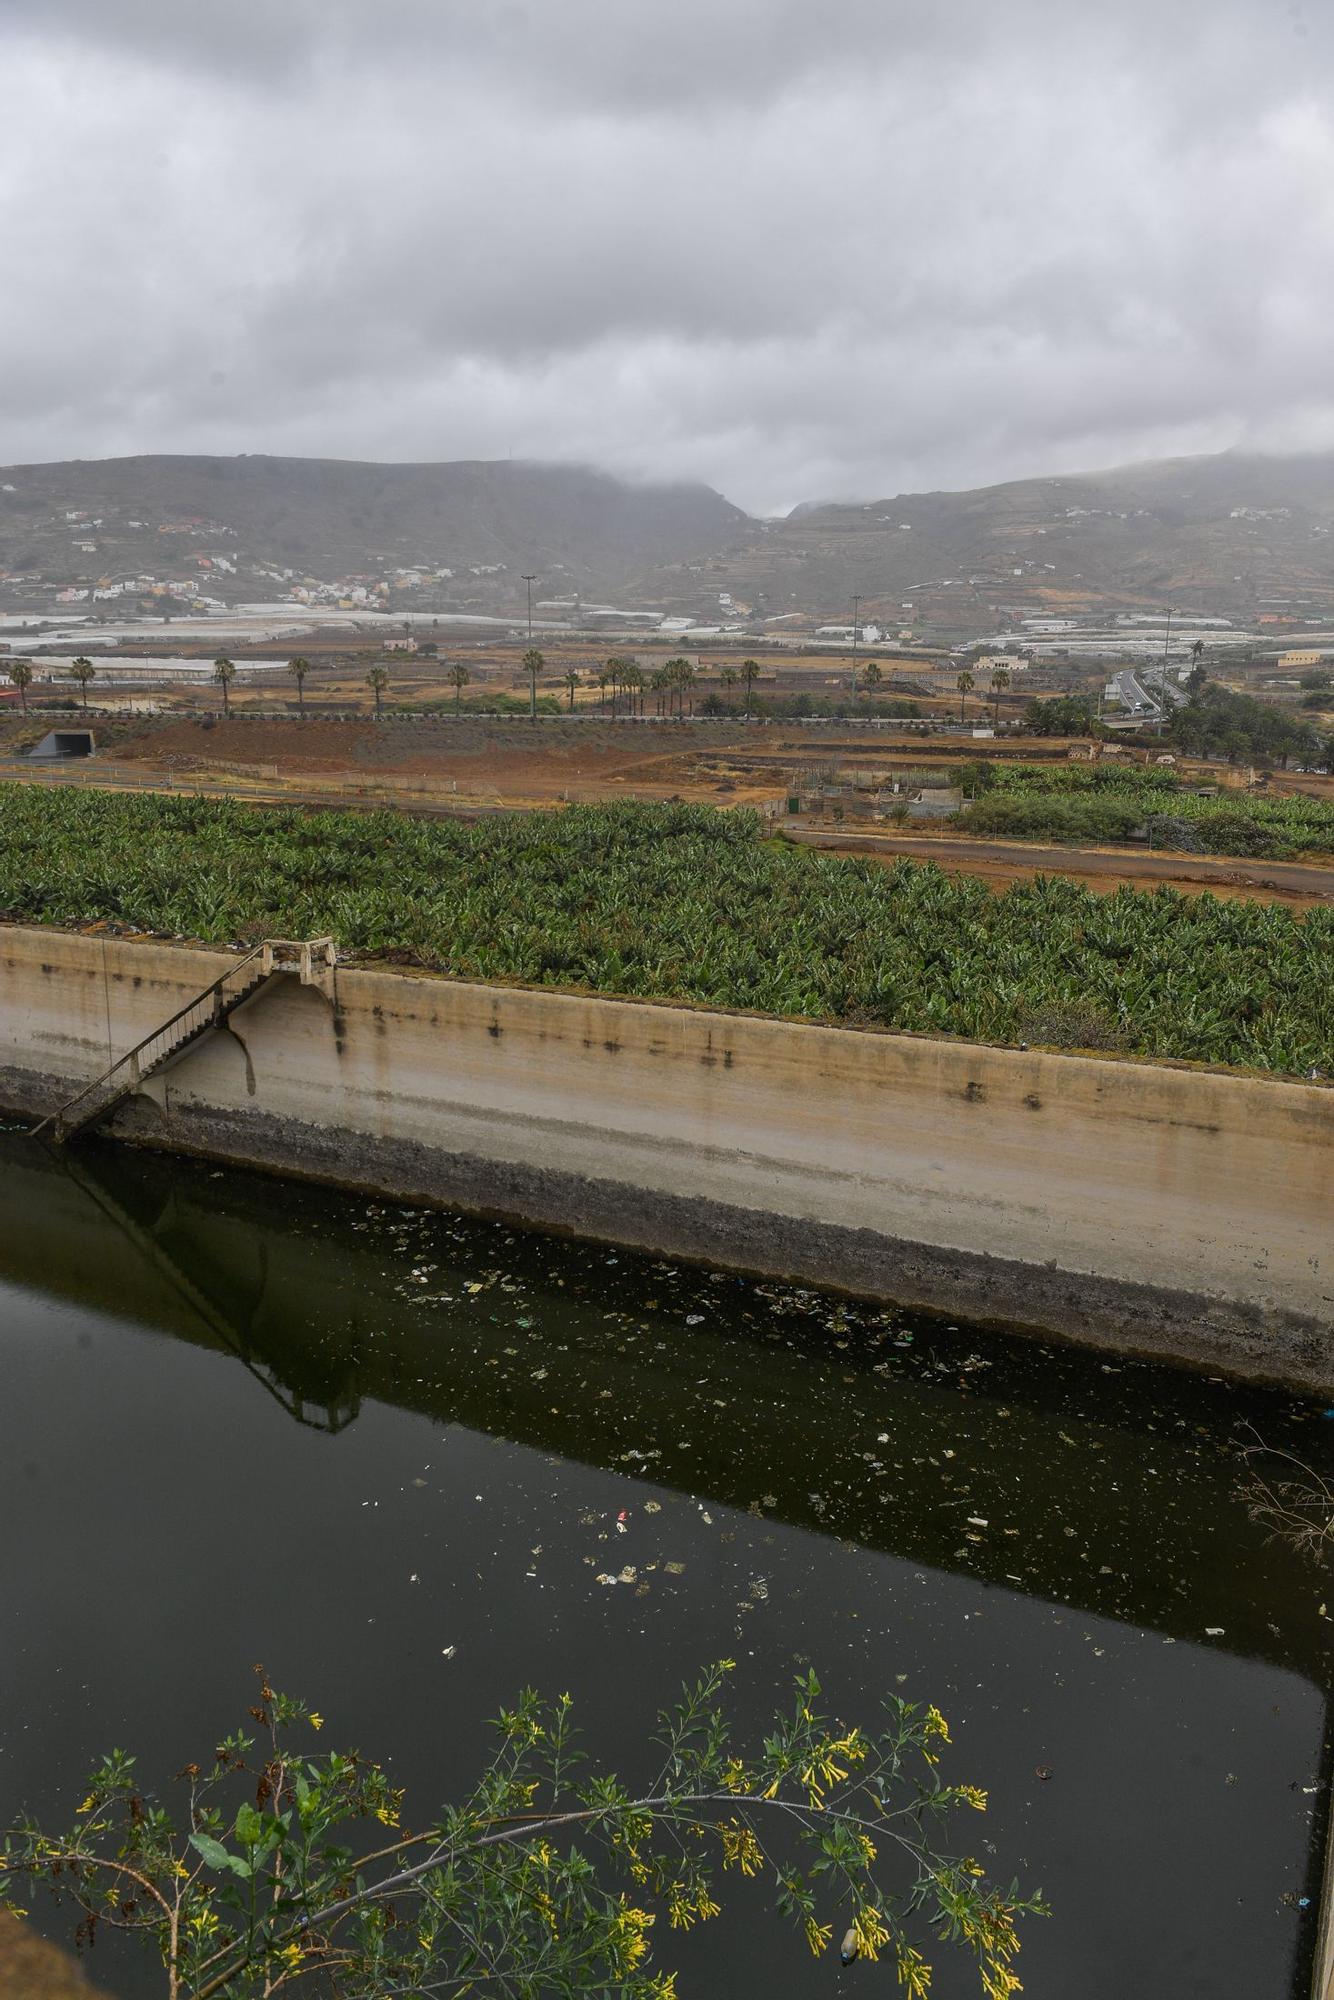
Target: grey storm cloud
(795,250)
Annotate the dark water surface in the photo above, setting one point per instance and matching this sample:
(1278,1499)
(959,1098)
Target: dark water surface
(388,1452)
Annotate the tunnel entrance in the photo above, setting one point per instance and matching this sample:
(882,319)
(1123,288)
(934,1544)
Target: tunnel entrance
(65,743)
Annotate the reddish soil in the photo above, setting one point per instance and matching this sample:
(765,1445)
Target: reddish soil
(579,760)
(1000,864)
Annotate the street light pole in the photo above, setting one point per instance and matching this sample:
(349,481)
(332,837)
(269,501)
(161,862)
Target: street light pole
(530,581)
(856,606)
(1162,675)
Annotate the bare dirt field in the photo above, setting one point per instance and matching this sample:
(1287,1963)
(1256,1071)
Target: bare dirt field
(506,763)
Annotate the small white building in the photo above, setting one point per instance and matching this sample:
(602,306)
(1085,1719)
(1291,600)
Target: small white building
(995,663)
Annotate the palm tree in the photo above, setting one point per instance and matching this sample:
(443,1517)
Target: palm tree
(660,683)
(729,677)
(750,673)
(965,684)
(532,664)
(224,673)
(872,675)
(602,688)
(633,681)
(1000,680)
(377,680)
(298,669)
(679,674)
(20,676)
(458,678)
(571,679)
(621,673)
(82,670)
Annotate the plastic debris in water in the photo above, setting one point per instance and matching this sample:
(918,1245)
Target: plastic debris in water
(847,1951)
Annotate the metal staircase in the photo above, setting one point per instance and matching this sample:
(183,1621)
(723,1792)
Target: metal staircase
(312,959)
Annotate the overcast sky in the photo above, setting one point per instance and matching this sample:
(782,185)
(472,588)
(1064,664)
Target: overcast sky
(797,248)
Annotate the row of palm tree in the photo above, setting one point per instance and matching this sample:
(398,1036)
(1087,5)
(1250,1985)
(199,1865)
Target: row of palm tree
(671,682)
(377,680)
(626,680)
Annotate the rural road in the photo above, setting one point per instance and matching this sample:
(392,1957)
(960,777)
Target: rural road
(1288,877)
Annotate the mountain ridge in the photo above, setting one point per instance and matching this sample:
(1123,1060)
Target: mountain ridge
(1236,534)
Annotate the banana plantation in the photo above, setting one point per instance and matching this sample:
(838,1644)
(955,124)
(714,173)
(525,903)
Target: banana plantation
(680,902)
(1109,802)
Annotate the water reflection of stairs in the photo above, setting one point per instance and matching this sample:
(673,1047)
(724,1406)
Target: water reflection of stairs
(311,959)
(332,1412)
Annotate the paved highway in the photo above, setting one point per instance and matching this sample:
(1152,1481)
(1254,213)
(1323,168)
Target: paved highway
(1145,692)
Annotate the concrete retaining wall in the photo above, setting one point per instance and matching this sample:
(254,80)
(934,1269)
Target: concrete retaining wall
(1151,1210)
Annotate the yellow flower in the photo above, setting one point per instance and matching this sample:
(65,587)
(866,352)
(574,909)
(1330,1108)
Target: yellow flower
(914,1973)
(632,1928)
(818,1936)
(870,1933)
(316,1721)
(740,1848)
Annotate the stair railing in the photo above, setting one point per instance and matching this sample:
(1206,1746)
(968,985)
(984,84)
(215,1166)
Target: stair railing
(206,1008)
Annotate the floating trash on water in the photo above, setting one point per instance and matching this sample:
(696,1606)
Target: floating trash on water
(847,1951)
(1214,1631)
(448,1652)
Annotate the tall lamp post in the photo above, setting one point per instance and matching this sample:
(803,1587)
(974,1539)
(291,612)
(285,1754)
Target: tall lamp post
(530,580)
(856,606)
(1162,673)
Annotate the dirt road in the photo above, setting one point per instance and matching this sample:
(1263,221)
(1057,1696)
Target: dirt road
(999,862)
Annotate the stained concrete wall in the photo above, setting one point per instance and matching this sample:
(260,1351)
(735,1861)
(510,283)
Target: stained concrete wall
(1149,1209)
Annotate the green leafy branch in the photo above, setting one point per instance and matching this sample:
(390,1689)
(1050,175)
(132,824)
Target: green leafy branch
(549,1877)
